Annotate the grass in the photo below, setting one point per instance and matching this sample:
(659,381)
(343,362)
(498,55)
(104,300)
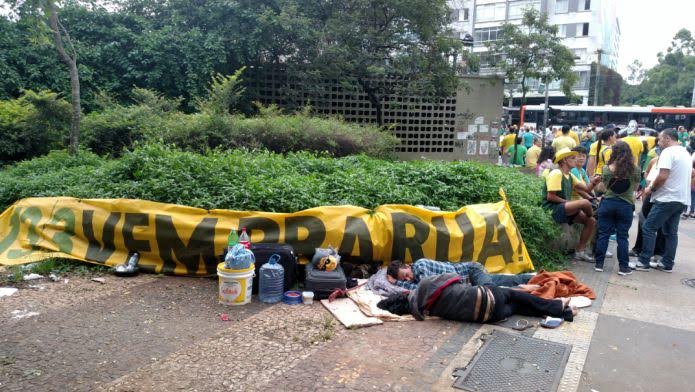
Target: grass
(60,267)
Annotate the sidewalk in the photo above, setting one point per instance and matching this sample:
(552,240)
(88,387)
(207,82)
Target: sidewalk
(161,333)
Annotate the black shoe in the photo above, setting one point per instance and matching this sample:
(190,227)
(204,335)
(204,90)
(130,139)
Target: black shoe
(641,267)
(624,271)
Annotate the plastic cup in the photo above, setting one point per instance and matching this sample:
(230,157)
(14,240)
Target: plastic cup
(307,297)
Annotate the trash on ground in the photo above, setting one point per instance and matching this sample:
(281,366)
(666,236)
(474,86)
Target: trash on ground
(130,268)
(54,277)
(224,317)
(99,280)
(37,287)
(20,314)
(33,277)
(7,291)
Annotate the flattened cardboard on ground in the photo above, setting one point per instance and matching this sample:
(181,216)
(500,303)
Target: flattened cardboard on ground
(349,314)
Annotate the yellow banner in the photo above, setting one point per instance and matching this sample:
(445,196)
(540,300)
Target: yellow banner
(180,240)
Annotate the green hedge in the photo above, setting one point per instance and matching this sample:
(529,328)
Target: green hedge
(266,181)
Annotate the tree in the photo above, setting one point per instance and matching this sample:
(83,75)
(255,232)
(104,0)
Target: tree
(532,50)
(670,82)
(636,72)
(45,13)
(380,46)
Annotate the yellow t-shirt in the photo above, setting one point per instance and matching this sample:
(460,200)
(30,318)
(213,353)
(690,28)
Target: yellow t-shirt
(574,136)
(507,142)
(553,182)
(602,158)
(532,156)
(636,147)
(651,142)
(563,142)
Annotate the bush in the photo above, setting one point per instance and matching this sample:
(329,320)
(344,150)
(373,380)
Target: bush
(32,125)
(266,181)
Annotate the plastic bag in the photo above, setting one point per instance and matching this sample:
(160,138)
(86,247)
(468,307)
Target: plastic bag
(238,257)
(325,259)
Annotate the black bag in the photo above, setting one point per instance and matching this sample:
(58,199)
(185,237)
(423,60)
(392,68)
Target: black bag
(287,259)
(323,283)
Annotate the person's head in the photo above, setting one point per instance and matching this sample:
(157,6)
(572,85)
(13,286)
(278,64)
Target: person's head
(565,129)
(396,304)
(667,138)
(548,152)
(681,129)
(518,140)
(537,141)
(400,271)
(581,158)
(621,156)
(566,158)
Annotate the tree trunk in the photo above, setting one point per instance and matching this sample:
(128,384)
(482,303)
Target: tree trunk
(523,91)
(71,62)
(374,100)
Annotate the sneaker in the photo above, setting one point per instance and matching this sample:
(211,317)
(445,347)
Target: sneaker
(692,214)
(641,267)
(609,254)
(598,269)
(624,272)
(582,256)
(632,265)
(684,216)
(660,266)
(633,253)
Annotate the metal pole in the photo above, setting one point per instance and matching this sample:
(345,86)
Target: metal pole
(598,70)
(545,109)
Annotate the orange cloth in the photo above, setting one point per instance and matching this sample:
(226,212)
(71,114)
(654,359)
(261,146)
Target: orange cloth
(560,284)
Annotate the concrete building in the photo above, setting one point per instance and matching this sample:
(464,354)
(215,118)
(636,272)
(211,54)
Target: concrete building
(589,28)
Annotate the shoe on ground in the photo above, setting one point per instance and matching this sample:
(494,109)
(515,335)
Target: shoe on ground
(632,264)
(598,269)
(660,266)
(656,258)
(684,216)
(625,271)
(633,253)
(692,215)
(609,254)
(582,256)
(641,267)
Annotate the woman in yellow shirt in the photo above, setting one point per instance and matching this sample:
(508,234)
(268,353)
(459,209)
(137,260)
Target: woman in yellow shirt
(599,152)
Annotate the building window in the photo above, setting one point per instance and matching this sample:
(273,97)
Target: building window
(585,29)
(487,34)
(489,60)
(562,6)
(580,55)
(582,81)
(562,31)
(587,5)
(490,12)
(517,8)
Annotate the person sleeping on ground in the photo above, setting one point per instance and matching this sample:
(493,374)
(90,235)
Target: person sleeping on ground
(408,277)
(449,297)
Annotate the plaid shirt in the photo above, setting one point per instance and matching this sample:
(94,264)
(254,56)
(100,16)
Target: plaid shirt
(426,267)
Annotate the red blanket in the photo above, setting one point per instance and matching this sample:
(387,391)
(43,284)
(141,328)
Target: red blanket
(560,284)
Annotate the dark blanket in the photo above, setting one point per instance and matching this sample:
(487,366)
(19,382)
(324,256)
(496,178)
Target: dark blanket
(447,296)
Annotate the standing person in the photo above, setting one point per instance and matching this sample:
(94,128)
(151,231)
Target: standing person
(692,195)
(533,153)
(528,138)
(545,161)
(649,175)
(557,193)
(682,136)
(599,152)
(564,141)
(691,142)
(507,142)
(621,177)
(670,193)
(517,154)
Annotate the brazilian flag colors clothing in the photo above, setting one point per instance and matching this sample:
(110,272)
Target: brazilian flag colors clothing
(562,185)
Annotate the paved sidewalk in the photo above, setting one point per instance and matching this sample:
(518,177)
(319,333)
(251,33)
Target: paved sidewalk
(160,333)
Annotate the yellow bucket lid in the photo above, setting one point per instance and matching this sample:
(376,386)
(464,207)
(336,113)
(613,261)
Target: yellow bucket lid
(220,267)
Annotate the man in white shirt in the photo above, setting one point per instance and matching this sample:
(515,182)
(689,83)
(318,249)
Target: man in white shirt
(670,193)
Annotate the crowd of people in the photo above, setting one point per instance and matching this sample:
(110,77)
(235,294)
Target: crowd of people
(594,176)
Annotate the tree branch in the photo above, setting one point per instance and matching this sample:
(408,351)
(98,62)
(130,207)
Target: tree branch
(69,40)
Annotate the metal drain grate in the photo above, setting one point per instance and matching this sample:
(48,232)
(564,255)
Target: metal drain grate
(690,282)
(510,362)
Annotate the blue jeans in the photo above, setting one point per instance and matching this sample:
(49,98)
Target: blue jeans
(665,216)
(692,201)
(614,214)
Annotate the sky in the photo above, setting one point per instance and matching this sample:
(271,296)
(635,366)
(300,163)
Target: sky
(647,27)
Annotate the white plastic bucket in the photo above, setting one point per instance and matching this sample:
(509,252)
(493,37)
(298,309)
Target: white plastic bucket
(308,297)
(235,285)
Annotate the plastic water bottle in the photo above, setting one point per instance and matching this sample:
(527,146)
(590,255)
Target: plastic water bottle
(232,239)
(271,281)
(244,239)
